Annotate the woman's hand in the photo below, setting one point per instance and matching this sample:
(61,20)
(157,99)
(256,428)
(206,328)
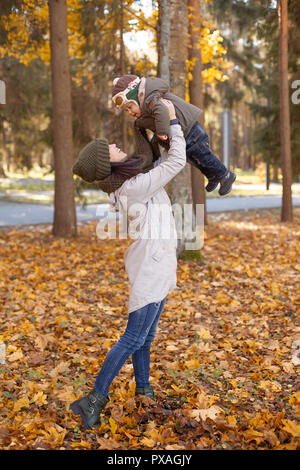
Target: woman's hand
(172,114)
(170,107)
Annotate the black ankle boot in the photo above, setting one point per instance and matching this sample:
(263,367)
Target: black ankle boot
(89,408)
(212,184)
(146,391)
(226,183)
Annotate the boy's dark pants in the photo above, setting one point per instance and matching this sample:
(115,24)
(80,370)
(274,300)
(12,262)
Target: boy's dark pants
(199,154)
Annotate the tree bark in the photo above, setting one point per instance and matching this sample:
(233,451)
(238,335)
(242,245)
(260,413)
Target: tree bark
(196,95)
(237,138)
(275,174)
(64,204)
(179,189)
(285,130)
(251,147)
(245,138)
(123,72)
(7,149)
(163,42)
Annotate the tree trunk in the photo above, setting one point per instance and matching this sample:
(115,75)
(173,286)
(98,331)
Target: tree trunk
(238,139)
(275,174)
(163,42)
(179,189)
(196,95)
(267,176)
(123,72)
(6,149)
(250,135)
(245,138)
(64,204)
(178,46)
(285,130)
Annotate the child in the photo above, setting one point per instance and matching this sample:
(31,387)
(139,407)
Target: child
(140,98)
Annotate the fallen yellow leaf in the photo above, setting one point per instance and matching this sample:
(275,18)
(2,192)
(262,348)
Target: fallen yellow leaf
(83,444)
(291,427)
(16,356)
(22,403)
(40,398)
(213,412)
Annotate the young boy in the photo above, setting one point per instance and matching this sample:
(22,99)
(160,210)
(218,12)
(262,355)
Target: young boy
(140,98)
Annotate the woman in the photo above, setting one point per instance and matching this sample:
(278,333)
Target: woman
(150,261)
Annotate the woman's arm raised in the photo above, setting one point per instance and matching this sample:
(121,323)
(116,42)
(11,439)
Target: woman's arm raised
(142,187)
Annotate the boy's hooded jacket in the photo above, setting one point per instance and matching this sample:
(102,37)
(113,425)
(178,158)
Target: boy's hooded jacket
(155,115)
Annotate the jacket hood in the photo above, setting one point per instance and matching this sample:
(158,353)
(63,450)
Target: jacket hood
(154,84)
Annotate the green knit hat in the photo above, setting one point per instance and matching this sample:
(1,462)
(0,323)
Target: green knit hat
(93,162)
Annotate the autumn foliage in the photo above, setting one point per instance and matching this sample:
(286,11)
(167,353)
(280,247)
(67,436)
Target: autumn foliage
(223,362)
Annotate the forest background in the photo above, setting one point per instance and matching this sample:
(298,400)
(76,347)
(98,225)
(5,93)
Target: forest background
(225,361)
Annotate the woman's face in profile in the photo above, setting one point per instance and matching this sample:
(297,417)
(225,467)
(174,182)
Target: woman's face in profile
(115,154)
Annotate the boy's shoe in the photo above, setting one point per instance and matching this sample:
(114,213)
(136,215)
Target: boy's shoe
(212,184)
(226,183)
(89,408)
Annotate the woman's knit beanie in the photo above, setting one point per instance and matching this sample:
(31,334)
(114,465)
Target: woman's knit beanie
(93,162)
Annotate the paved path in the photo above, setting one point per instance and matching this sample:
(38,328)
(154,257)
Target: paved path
(12,213)
(247,202)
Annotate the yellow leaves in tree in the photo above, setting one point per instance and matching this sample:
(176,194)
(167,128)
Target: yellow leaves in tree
(34,16)
(212,52)
(19,25)
(141,66)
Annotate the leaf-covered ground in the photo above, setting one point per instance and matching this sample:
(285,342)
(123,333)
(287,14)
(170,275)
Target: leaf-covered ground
(224,360)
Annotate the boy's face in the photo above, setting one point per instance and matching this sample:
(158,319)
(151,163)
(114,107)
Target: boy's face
(132,109)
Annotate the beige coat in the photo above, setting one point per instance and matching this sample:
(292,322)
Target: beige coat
(151,261)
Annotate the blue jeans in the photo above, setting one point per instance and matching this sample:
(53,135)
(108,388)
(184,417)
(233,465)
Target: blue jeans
(200,155)
(136,342)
